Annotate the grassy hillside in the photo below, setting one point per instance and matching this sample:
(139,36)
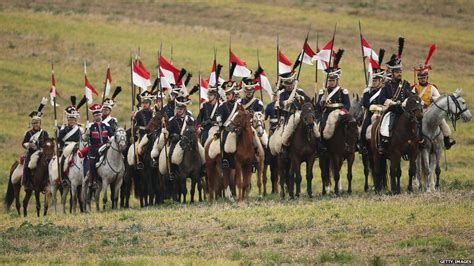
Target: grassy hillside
(352,229)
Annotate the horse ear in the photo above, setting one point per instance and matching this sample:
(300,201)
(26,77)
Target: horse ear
(458,91)
(357,96)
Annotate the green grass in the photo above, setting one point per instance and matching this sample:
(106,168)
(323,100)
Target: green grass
(361,228)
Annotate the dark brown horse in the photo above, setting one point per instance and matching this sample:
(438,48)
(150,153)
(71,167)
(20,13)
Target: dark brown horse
(404,142)
(40,180)
(340,147)
(302,148)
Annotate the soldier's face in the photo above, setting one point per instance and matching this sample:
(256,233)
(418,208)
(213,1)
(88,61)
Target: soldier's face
(36,125)
(211,96)
(180,111)
(146,105)
(158,103)
(376,83)
(71,121)
(274,98)
(249,93)
(423,79)
(106,111)
(332,83)
(288,85)
(98,117)
(229,96)
(397,74)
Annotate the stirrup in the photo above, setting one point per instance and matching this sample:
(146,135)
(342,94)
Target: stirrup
(155,163)
(139,165)
(225,163)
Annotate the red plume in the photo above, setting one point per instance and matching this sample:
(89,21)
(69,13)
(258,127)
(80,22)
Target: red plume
(430,54)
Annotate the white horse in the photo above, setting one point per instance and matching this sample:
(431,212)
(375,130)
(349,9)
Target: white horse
(111,169)
(261,141)
(454,107)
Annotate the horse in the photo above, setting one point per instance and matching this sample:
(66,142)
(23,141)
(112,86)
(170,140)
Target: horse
(261,139)
(340,147)
(404,142)
(454,107)
(75,175)
(243,149)
(39,175)
(302,149)
(111,169)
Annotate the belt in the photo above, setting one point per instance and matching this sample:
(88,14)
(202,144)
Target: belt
(142,128)
(334,105)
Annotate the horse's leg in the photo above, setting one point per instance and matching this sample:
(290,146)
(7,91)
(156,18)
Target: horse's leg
(73,198)
(437,168)
(193,188)
(260,167)
(350,162)
(184,189)
(411,172)
(394,161)
(238,180)
(336,170)
(365,162)
(104,193)
(274,174)
(16,192)
(118,185)
(432,171)
(298,178)
(54,190)
(38,202)
(26,200)
(264,179)
(322,168)
(47,197)
(283,176)
(309,176)
(63,199)
(247,177)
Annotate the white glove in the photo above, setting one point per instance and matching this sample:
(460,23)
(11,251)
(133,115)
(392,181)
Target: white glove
(165,132)
(31,145)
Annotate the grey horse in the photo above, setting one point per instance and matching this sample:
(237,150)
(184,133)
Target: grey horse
(454,107)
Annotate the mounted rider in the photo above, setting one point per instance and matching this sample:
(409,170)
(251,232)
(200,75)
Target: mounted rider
(99,134)
(332,98)
(271,113)
(371,99)
(225,112)
(176,126)
(393,95)
(208,114)
(249,102)
(429,93)
(145,114)
(107,107)
(290,98)
(32,141)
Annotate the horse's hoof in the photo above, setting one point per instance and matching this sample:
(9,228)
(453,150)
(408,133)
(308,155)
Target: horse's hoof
(310,195)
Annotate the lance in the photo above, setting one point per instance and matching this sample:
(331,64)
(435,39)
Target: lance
(171,55)
(105,83)
(278,63)
(300,60)
(163,124)
(87,100)
(258,66)
(330,55)
(230,63)
(132,86)
(316,71)
(55,121)
(363,58)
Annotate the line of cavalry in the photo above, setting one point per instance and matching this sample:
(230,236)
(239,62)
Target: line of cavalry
(228,141)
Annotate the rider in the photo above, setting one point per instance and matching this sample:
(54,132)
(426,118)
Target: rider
(428,93)
(393,95)
(271,113)
(225,113)
(31,142)
(371,100)
(99,134)
(176,126)
(290,101)
(336,97)
(109,103)
(170,107)
(208,113)
(250,103)
(144,115)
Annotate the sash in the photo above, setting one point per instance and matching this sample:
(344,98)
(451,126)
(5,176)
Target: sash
(227,122)
(36,135)
(398,91)
(247,105)
(375,96)
(107,120)
(333,92)
(70,133)
(184,125)
(423,91)
(213,111)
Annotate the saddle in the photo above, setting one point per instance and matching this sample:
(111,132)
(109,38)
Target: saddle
(102,154)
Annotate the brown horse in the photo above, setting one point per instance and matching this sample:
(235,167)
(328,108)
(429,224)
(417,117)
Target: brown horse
(244,158)
(404,142)
(40,180)
(340,147)
(302,149)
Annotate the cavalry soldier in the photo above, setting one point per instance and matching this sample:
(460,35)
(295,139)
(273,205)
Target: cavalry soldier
(250,103)
(109,103)
(393,95)
(290,101)
(71,131)
(371,100)
(170,107)
(99,134)
(158,106)
(208,113)
(31,142)
(271,113)
(336,98)
(224,115)
(144,116)
(428,93)
(176,126)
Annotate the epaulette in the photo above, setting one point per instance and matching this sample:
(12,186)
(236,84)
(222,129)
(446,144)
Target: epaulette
(259,102)
(321,91)
(366,90)
(434,85)
(171,119)
(345,91)
(300,89)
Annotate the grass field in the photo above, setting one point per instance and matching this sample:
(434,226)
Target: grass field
(358,229)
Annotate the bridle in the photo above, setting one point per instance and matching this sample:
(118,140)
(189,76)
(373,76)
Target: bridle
(257,122)
(188,142)
(410,113)
(456,115)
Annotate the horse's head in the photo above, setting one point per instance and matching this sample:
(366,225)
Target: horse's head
(414,107)
(240,120)
(47,148)
(458,107)
(189,139)
(120,138)
(357,109)
(155,123)
(308,114)
(258,123)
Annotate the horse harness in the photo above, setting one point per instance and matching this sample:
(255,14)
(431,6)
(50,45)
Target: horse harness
(454,117)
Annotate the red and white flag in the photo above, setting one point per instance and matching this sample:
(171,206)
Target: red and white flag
(212,77)
(89,89)
(53,92)
(140,75)
(108,82)
(324,55)
(308,54)
(170,72)
(204,88)
(264,83)
(240,69)
(368,51)
(284,64)
(164,82)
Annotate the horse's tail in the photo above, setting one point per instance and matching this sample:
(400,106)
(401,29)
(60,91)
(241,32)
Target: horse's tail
(10,195)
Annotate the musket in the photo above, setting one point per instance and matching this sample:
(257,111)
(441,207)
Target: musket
(363,58)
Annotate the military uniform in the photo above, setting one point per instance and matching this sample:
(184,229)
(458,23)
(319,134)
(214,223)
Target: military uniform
(252,105)
(271,113)
(337,98)
(206,119)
